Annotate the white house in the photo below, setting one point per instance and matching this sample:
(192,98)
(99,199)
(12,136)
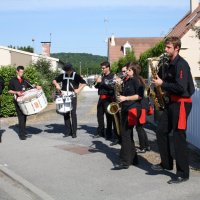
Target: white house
(10,56)
(190,49)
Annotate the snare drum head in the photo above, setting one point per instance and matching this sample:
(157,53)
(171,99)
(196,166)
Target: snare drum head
(67,93)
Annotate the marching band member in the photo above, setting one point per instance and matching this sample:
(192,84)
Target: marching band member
(106,95)
(146,108)
(75,83)
(130,113)
(17,86)
(176,80)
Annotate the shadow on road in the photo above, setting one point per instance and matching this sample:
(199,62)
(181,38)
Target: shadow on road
(89,129)
(55,128)
(111,153)
(29,129)
(1,133)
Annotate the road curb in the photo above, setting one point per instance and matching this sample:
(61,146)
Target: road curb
(39,194)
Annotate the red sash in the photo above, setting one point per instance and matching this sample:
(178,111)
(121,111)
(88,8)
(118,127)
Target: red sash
(142,118)
(150,111)
(182,113)
(132,117)
(104,96)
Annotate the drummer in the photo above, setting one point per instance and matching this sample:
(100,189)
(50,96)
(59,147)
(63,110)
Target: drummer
(17,86)
(73,82)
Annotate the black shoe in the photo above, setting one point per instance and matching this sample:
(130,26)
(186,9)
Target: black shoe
(74,135)
(148,148)
(157,167)
(177,180)
(141,150)
(114,143)
(135,160)
(66,135)
(108,137)
(22,137)
(98,135)
(120,166)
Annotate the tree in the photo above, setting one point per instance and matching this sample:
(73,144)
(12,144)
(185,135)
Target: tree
(25,48)
(130,57)
(197,30)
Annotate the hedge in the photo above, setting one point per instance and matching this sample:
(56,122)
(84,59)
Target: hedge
(32,74)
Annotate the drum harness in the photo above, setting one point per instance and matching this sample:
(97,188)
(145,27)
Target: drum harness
(67,89)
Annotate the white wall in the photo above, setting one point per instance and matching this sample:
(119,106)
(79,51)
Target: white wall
(5,57)
(192,51)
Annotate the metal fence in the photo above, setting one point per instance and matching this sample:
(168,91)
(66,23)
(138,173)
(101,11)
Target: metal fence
(193,125)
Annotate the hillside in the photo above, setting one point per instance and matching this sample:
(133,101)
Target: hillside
(90,64)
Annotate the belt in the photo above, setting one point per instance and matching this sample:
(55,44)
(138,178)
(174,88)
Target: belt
(132,117)
(142,118)
(104,96)
(182,113)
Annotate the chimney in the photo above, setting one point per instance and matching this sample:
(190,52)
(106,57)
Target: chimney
(46,48)
(193,4)
(112,42)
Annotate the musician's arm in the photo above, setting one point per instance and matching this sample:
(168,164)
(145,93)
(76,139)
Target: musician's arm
(11,89)
(18,93)
(56,85)
(81,86)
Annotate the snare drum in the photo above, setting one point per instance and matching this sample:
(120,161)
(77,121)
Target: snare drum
(63,104)
(32,102)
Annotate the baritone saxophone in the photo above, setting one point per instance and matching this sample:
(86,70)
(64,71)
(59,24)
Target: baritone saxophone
(156,93)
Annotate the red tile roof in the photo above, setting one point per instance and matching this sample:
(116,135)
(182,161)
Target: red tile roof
(186,23)
(139,45)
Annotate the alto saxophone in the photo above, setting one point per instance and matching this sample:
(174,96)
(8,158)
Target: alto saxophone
(114,107)
(157,94)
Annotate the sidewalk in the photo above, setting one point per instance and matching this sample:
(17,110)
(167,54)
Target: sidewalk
(81,168)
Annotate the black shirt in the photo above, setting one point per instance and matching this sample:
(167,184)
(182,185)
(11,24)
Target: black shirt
(74,81)
(16,85)
(132,87)
(177,78)
(106,87)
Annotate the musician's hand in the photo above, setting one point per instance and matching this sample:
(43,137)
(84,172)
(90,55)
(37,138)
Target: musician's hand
(77,91)
(122,98)
(157,81)
(118,80)
(58,87)
(98,80)
(38,87)
(19,94)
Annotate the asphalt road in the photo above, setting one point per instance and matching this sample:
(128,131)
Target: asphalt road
(81,168)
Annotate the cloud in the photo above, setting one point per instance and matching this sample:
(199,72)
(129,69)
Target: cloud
(32,5)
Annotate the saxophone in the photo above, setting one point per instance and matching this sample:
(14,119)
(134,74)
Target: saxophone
(114,107)
(157,94)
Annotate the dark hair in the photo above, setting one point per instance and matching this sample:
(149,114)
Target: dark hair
(20,67)
(67,67)
(105,63)
(174,40)
(137,70)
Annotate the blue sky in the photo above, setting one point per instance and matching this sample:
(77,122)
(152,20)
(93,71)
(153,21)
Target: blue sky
(83,25)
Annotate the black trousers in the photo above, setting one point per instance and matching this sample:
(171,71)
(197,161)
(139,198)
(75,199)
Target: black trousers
(101,110)
(142,136)
(169,122)
(70,119)
(22,120)
(128,151)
